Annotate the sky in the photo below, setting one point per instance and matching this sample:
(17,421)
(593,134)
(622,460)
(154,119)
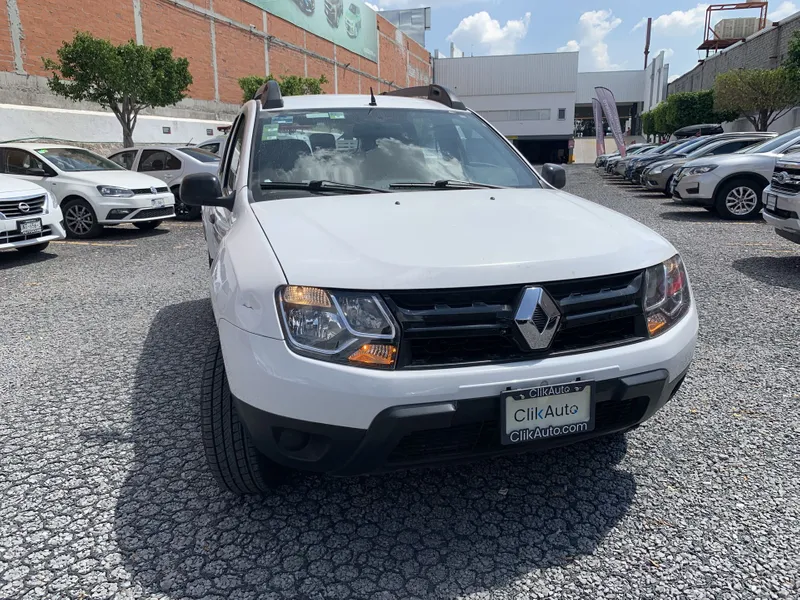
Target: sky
(609,34)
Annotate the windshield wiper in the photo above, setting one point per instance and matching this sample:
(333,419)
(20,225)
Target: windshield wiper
(443,184)
(321,185)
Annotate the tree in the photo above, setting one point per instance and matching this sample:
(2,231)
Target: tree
(648,123)
(124,78)
(291,85)
(683,109)
(792,61)
(762,96)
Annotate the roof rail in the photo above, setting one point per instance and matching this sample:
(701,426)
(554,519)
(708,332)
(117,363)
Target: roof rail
(434,92)
(269,95)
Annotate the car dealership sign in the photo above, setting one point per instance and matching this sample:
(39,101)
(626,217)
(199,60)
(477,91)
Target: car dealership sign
(350,24)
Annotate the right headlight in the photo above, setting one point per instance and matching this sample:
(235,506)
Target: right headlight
(344,327)
(660,168)
(114,192)
(700,170)
(667,295)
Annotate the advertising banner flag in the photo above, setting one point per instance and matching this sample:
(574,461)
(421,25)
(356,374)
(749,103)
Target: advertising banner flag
(350,24)
(609,105)
(600,134)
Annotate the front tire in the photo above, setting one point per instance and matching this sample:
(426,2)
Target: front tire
(80,220)
(232,458)
(184,212)
(739,200)
(148,225)
(33,248)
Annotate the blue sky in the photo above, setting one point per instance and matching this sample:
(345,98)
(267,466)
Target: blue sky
(608,33)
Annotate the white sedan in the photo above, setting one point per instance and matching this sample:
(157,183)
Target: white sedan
(170,165)
(91,190)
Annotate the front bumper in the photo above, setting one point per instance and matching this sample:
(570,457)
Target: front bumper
(143,208)
(695,190)
(360,417)
(51,230)
(785,217)
(656,182)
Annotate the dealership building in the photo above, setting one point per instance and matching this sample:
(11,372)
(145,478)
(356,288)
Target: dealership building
(542,101)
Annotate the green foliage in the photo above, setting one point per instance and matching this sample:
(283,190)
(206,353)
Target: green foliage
(792,61)
(291,85)
(684,109)
(124,78)
(760,95)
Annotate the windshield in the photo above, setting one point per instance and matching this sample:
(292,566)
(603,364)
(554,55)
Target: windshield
(685,146)
(381,147)
(77,159)
(772,144)
(200,154)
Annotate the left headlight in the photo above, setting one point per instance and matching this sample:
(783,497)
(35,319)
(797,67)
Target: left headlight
(700,170)
(114,192)
(344,327)
(660,168)
(667,295)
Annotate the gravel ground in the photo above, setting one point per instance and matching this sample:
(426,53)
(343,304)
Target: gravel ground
(104,492)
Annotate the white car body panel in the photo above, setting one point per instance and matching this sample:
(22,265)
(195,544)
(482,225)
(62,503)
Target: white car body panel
(14,191)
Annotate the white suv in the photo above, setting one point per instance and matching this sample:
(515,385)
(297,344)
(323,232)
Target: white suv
(415,293)
(29,216)
(782,199)
(732,185)
(91,190)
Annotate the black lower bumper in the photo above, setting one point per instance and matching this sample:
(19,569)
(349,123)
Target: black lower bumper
(429,434)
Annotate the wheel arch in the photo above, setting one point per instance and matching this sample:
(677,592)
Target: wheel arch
(758,177)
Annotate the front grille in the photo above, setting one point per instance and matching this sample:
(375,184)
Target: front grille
(149,213)
(792,185)
(483,437)
(457,327)
(11,209)
(8,237)
(781,213)
(159,190)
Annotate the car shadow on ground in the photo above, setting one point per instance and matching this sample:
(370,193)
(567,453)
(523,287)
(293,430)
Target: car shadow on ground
(781,271)
(421,533)
(129,232)
(11,258)
(692,215)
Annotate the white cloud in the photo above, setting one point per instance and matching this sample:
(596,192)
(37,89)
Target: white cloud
(673,78)
(486,33)
(668,53)
(786,9)
(678,22)
(594,26)
(571,46)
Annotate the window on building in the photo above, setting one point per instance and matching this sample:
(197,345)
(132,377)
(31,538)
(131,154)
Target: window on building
(539,114)
(562,114)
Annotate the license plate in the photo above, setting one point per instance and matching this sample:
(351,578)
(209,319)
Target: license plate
(158,203)
(772,201)
(30,226)
(547,412)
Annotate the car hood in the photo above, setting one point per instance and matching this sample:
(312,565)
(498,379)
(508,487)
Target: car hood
(744,161)
(452,238)
(125,179)
(11,186)
(677,161)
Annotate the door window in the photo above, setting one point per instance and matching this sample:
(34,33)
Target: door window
(20,162)
(124,159)
(158,160)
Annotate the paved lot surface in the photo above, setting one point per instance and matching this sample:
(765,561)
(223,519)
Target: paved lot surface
(104,492)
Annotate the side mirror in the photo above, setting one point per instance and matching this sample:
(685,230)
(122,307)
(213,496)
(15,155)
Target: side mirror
(203,189)
(37,172)
(555,175)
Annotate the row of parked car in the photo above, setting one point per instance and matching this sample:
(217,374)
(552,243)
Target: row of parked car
(735,175)
(49,191)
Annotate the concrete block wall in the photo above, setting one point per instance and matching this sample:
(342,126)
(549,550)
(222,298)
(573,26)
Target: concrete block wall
(223,40)
(766,49)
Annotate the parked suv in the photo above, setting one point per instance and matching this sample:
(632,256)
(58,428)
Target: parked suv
(418,294)
(91,190)
(782,199)
(29,216)
(333,11)
(732,185)
(170,165)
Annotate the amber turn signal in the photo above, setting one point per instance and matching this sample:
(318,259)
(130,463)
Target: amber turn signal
(655,323)
(379,355)
(306,296)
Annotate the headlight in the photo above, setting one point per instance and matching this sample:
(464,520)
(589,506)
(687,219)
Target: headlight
(344,327)
(114,192)
(667,295)
(700,170)
(660,168)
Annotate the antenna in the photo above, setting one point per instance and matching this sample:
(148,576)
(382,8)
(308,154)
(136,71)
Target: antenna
(372,98)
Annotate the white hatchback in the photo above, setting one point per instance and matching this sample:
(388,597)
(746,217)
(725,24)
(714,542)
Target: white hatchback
(91,190)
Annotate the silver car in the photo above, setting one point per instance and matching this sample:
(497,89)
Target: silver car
(170,165)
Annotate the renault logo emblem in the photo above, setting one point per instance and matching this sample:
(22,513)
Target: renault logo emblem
(537,318)
(23,207)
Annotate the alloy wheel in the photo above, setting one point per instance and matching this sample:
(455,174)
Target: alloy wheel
(741,201)
(79,219)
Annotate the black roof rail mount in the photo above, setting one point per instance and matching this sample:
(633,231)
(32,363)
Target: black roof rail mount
(434,92)
(269,95)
